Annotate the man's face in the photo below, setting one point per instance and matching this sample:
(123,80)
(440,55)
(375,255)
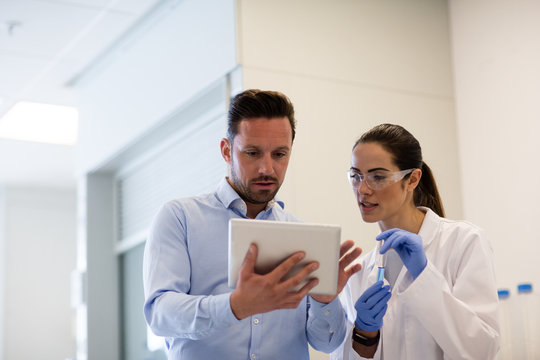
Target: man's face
(258,158)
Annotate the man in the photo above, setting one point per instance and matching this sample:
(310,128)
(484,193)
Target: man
(188,300)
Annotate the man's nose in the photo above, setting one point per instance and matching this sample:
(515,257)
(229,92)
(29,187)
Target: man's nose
(266,165)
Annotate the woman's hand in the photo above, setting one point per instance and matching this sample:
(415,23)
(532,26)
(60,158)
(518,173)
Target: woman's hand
(409,248)
(371,307)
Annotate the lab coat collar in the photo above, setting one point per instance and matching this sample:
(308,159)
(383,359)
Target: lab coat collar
(429,226)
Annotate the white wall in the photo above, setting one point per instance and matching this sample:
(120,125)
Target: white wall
(347,66)
(496,47)
(39,255)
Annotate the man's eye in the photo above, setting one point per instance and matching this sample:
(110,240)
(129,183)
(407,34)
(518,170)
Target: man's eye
(280,155)
(251,153)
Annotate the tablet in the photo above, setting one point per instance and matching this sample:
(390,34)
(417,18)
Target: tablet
(277,240)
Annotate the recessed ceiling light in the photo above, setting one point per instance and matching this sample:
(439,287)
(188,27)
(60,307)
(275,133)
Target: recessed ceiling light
(46,123)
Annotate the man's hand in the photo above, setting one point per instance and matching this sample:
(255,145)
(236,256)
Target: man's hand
(255,294)
(346,258)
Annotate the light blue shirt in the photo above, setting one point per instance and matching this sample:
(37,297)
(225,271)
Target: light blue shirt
(187,296)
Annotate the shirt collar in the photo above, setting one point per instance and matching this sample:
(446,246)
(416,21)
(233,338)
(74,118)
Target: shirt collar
(230,198)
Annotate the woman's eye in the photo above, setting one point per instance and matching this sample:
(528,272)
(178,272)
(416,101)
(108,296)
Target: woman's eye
(379,177)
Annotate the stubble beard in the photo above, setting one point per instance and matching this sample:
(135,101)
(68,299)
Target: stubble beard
(252,197)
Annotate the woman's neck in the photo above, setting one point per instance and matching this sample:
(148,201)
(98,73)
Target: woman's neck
(410,220)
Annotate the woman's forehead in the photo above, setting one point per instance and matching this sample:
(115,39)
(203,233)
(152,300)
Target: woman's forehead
(371,155)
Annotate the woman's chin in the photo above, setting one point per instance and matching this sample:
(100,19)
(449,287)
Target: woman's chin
(369,218)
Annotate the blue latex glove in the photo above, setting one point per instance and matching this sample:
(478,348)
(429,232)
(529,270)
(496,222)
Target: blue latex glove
(409,248)
(371,307)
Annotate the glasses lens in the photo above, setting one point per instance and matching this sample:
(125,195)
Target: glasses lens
(354,178)
(349,177)
(377,181)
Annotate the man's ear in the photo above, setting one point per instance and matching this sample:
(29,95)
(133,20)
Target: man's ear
(226,150)
(414,179)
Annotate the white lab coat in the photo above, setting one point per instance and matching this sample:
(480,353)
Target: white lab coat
(448,312)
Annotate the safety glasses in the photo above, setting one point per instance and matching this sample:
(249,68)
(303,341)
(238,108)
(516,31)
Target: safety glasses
(376,180)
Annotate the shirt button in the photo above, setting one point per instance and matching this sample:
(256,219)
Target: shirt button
(331,331)
(326,313)
(255,321)
(253,356)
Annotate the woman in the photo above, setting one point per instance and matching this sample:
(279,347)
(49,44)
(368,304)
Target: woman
(438,299)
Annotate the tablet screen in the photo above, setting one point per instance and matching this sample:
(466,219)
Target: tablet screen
(277,240)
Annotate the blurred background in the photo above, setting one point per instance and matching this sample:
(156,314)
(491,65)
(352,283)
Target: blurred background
(109,108)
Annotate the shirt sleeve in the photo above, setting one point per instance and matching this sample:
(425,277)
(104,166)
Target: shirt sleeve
(345,350)
(169,309)
(461,316)
(326,325)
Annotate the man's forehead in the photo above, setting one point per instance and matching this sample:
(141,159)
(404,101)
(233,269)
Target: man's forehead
(261,129)
(265,121)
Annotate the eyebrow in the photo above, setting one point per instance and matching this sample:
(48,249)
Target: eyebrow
(279,148)
(370,170)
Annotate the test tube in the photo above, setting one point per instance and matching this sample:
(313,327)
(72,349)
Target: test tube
(380,261)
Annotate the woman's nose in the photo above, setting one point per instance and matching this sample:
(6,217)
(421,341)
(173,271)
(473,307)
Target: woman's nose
(363,188)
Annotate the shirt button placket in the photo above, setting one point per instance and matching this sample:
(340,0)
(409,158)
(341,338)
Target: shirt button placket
(256,336)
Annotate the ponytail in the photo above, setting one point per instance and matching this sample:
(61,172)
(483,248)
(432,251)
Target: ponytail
(426,193)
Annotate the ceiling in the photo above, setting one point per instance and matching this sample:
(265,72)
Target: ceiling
(44,44)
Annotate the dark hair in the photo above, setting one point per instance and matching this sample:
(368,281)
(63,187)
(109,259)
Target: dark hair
(256,103)
(406,154)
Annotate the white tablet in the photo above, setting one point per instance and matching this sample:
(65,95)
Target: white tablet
(277,240)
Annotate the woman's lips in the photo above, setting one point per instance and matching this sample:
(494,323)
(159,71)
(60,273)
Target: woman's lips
(367,206)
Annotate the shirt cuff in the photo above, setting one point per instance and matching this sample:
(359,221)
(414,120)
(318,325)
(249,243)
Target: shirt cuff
(221,309)
(330,312)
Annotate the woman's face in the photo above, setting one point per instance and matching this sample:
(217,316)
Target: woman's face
(390,203)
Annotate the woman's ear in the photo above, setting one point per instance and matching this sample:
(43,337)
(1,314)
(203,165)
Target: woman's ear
(226,150)
(414,179)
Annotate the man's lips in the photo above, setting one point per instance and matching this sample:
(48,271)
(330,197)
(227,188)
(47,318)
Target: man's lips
(264,184)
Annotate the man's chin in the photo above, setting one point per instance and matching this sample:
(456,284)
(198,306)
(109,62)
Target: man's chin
(262,197)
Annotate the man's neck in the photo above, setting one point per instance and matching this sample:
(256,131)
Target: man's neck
(254,209)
